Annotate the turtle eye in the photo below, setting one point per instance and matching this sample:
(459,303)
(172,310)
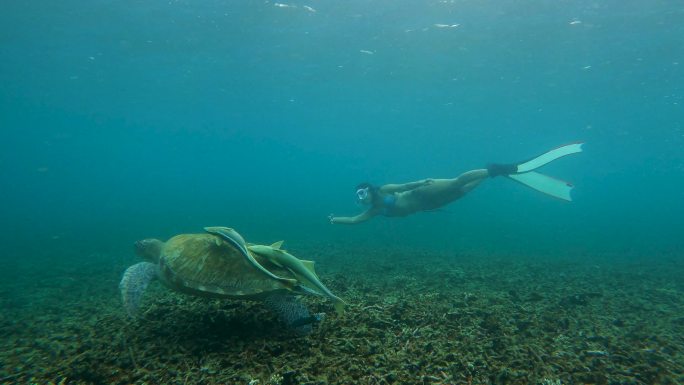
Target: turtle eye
(142,244)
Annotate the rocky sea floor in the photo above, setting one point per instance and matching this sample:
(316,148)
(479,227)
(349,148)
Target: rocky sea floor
(412,318)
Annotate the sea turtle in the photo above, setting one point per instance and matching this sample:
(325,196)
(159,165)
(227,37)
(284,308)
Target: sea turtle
(221,264)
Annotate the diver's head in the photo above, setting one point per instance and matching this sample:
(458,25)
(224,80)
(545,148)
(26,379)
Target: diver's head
(365,193)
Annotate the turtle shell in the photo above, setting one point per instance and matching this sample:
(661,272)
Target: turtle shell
(206,265)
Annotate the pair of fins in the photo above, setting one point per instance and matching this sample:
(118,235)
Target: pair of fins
(556,188)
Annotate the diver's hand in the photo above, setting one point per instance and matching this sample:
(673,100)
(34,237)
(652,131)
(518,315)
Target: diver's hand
(331,218)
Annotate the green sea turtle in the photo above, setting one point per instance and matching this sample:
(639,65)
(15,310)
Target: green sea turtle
(221,264)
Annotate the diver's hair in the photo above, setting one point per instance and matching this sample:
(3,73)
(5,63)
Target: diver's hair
(372,190)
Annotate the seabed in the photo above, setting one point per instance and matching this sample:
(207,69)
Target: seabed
(413,318)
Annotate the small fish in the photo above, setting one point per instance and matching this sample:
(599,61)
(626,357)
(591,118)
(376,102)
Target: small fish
(310,9)
(281,5)
(575,22)
(447,25)
(367,52)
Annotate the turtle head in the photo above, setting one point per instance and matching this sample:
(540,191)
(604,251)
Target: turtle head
(149,249)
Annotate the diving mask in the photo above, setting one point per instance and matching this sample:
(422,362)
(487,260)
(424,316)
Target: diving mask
(362,194)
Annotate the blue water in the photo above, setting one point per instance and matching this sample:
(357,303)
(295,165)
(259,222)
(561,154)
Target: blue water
(126,120)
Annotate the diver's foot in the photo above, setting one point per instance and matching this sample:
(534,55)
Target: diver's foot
(496,169)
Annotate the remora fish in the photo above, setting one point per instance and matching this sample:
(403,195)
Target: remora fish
(303,270)
(236,239)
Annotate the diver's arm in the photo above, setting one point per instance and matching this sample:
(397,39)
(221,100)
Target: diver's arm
(395,188)
(368,214)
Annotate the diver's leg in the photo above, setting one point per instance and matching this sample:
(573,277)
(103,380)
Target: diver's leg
(444,191)
(471,176)
(470,186)
(454,185)
(465,182)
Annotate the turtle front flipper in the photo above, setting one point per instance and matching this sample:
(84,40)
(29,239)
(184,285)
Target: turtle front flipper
(232,236)
(133,284)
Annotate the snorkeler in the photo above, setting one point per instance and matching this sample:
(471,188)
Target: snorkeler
(399,200)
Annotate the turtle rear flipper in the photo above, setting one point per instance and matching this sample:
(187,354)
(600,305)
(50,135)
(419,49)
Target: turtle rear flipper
(293,313)
(133,284)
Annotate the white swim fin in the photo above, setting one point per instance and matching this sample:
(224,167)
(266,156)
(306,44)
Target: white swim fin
(543,183)
(549,156)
